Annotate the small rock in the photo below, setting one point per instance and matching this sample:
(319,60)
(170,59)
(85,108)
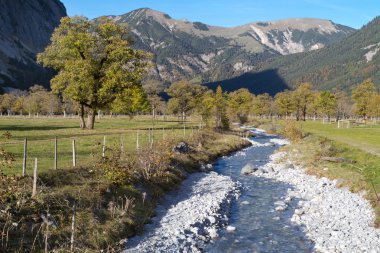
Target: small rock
(245,203)
(211,219)
(248,169)
(202,238)
(230,228)
(288,199)
(213,233)
(280,208)
(181,148)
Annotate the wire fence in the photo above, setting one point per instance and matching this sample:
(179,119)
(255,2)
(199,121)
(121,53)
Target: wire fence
(82,150)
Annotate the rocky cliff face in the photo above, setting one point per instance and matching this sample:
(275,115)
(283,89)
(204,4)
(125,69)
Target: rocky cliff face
(186,49)
(25,30)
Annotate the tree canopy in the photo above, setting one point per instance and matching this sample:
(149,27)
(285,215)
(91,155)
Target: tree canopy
(184,97)
(96,64)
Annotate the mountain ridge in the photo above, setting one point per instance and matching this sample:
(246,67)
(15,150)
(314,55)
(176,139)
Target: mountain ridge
(342,65)
(185,49)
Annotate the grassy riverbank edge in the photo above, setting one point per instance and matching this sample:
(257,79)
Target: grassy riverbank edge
(355,168)
(106,212)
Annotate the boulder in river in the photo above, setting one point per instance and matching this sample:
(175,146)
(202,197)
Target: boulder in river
(249,168)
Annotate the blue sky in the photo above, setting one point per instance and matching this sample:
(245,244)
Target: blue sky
(354,13)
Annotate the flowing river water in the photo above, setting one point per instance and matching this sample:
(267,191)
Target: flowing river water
(259,227)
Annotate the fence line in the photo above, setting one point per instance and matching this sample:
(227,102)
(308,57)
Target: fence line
(58,153)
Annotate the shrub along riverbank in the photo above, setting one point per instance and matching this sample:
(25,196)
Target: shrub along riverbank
(94,208)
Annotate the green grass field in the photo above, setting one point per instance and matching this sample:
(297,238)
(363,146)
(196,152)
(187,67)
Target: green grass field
(41,133)
(366,138)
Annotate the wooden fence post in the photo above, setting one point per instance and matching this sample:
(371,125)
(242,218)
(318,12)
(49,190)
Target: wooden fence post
(24,159)
(55,153)
(122,143)
(163,133)
(47,233)
(74,155)
(35,178)
(152,137)
(73,220)
(137,141)
(104,147)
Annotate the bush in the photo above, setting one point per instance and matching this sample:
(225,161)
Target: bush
(115,168)
(292,130)
(155,161)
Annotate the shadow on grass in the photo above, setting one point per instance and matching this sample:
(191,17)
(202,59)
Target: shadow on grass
(22,128)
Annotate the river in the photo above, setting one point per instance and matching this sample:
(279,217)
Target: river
(259,227)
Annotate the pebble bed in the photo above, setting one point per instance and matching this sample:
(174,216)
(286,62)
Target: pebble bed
(190,217)
(334,218)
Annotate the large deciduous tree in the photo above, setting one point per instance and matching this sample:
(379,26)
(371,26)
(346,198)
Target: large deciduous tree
(285,104)
(262,104)
(326,103)
(95,62)
(221,119)
(344,104)
(301,97)
(240,104)
(362,95)
(184,97)
(153,88)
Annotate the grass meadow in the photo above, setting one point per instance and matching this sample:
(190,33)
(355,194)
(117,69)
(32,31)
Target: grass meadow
(41,134)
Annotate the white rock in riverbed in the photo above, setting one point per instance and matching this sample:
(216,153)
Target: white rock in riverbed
(249,168)
(213,233)
(230,229)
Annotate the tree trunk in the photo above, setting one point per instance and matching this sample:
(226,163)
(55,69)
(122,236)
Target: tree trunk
(81,116)
(91,119)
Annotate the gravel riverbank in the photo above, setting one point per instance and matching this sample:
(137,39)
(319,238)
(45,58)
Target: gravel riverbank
(189,217)
(334,218)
